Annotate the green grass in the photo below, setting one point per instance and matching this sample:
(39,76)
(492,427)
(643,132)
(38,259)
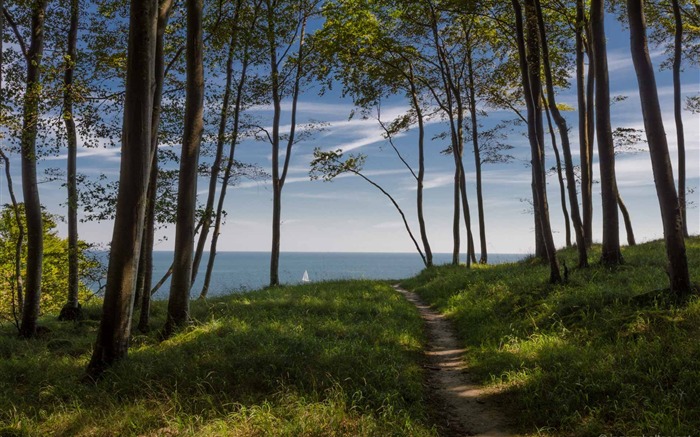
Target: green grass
(607,353)
(337,358)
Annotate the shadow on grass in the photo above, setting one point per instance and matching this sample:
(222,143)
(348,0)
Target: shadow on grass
(350,350)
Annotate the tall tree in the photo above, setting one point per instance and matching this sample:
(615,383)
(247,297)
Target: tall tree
(529,54)
(658,150)
(565,143)
(677,109)
(30,188)
(113,335)
(611,254)
(180,283)
(71,310)
(284,27)
(585,123)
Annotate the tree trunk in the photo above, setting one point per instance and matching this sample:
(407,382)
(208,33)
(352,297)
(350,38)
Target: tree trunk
(456,228)
(585,146)
(530,70)
(220,142)
(145,275)
(658,150)
(30,189)
(677,110)
(180,283)
(560,178)
(18,284)
(113,335)
(591,136)
(627,221)
(421,173)
(483,255)
(566,148)
(71,310)
(611,255)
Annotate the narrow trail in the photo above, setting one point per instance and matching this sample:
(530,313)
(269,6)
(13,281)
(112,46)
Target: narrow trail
(462,407)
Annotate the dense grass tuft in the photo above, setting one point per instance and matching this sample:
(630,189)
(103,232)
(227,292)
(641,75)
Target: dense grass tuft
(337,358)
(607,353)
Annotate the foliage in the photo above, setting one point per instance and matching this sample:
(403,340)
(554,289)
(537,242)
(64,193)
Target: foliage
(337,358)
(55,271)
(609,352)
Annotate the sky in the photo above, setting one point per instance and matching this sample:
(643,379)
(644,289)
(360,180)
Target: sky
(349,215)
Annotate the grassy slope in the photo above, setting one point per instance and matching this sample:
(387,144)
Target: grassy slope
(606,353)
(323,359)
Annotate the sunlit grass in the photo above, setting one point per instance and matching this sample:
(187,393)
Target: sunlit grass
(339,358)
(607,353)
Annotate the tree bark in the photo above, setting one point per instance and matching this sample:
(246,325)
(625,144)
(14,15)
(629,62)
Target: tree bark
(180,282)
(627,221)
(483,255)
(71,310)
(611,255)
(30,188)
(585,146)
(560,178)
(220,143)
(530,70)
(455,219)
(677,109)
(113,335)
(658,150)
(421,171)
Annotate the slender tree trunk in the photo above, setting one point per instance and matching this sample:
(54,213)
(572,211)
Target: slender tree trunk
(180,283)
(278,178)
(145,275)
(530,70)
(483,255)
(566,148)
(677,110)
(18,284)
(421,172)
(560,178)
(71,310)
(146,269)
(591,136)
(585,146)
(456,228)
(30,189)
(220,142)
(113,335)
(611,255)
(658,149)
(627,221)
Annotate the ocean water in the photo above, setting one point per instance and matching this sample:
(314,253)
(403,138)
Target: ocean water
(241,271)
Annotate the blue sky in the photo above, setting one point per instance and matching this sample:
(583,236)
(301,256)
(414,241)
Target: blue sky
(350,215)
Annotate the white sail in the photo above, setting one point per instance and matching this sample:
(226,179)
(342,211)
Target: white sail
(305,277)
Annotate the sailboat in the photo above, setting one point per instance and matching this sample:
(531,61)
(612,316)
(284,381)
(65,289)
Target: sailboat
(305,277)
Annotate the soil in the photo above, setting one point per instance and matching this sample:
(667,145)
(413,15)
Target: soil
(461,407)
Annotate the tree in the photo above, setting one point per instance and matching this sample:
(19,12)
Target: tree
(565,144)
(112,342)
(284,26)
(30,189)
(529,55)
(71,310)
(611,255)
(658,150)
(178,303)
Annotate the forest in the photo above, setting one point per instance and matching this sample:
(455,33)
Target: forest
(174,86)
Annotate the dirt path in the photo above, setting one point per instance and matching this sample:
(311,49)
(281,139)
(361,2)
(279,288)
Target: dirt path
(462,407)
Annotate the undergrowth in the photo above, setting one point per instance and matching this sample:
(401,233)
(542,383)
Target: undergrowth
(607,353)
(337,358)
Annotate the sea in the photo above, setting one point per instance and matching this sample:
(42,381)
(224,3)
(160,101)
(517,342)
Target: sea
(242,271)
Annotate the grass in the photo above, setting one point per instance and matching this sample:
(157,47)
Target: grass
(607,353)
(336,358)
